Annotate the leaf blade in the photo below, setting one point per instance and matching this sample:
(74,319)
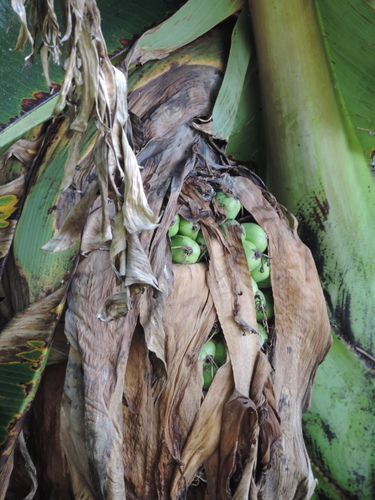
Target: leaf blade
(227,102)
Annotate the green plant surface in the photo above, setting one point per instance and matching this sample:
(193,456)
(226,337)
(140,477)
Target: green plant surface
(19,380)
(21,128)
(226,104)
(339,426)
(315,164)
(39,281)
(325,488)
(246,141)
(122,22)
(192,20)
(317,168)
(21,89)
(349,38)
(24,348)
(43,271)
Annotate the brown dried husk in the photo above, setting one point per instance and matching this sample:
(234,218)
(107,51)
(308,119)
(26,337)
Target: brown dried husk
(244,437)
(251,416)
(135,423)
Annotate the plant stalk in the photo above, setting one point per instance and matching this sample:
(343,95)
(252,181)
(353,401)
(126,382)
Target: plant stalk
(315,165)
(316,168)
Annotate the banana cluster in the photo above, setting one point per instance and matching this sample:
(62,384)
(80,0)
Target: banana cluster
(185,245)
(188,245)
(213,354)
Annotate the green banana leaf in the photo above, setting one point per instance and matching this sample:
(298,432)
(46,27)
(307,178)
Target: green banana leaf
(236,114)
(246,140)
(24,347)
(339,428)
(191,21)
(349,38)
(319,167)
(36,282)
(326,489)
(21,89)
(227,102)
(316,165)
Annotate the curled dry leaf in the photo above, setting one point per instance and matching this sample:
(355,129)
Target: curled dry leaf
(114,307)
(96,91)
(24,34)
(161,425)
(23,150)
(92,398)
(71,229)
(138,269)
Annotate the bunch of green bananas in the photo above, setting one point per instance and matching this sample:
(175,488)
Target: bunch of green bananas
(188,245)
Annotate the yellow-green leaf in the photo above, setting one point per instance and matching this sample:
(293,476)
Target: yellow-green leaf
(8,204)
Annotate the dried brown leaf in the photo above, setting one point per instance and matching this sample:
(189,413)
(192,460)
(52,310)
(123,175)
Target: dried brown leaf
(118,244)
(114,307)
(302,337)
(24,35)
(93,390)
(71,163)
(205,435)
(237,409)
(138,268)
(93,225)
(24,150)
(163,421)
(88,91)
(137,214)
(177,93)
(71,230)
(188,319)
(140,423)
(231,290)
(30,467)
(101,162)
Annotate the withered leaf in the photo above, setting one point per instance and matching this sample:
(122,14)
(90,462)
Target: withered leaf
(71,230)
(92,398)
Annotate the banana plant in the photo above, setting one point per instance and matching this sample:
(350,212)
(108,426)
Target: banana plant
(319,143)
(319,159)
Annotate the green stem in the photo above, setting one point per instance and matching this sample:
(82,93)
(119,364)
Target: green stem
(316,168)
(315,165)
